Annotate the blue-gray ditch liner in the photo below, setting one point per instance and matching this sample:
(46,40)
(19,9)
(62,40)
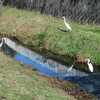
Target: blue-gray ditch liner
(48,67)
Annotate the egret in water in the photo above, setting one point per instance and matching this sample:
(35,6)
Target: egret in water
(66,24)
(70,68)
(89,65)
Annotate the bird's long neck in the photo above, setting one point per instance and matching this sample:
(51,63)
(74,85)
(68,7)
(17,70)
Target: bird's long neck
(64,19)
(88,62)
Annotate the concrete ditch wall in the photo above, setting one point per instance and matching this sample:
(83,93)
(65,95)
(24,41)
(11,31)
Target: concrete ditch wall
(77,10)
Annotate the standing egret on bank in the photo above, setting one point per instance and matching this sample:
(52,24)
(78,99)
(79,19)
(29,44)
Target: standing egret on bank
(66,24)
(89,65)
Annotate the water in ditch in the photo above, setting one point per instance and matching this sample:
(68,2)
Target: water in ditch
(87,81)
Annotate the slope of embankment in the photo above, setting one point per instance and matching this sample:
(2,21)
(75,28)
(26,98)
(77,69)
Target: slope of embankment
(41,33)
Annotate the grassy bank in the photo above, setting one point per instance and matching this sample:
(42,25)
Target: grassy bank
(41,32)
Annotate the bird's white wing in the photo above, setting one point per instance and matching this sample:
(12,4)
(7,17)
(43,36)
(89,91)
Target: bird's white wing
(90,67)
(67,25)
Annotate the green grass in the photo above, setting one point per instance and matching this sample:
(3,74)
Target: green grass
(40,31)
(20,83)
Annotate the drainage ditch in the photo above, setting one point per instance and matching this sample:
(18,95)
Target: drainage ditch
(48,67)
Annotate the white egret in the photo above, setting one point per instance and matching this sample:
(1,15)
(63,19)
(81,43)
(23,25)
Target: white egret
(70,68)
(66,24)
(89,65)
